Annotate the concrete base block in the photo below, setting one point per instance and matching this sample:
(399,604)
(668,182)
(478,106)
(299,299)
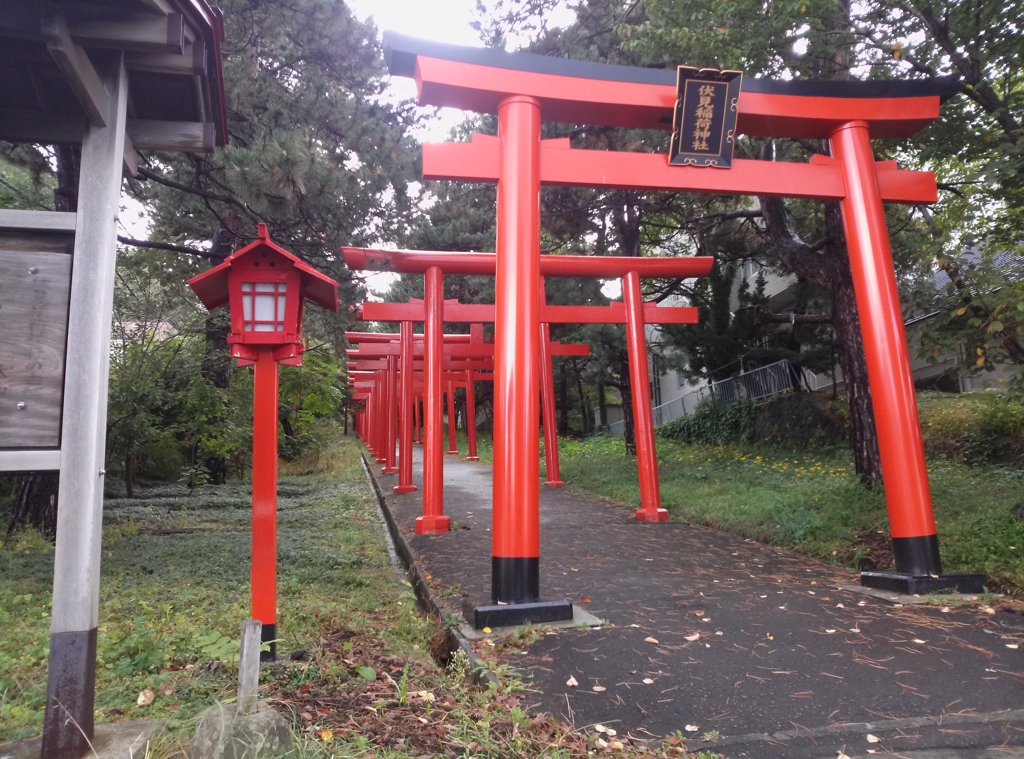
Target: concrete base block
(114,740)
(224,734)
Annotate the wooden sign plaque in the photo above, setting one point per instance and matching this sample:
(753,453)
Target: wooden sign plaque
(35,286)
(704,121)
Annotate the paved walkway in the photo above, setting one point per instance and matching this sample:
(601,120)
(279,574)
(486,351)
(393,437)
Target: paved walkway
(762,650)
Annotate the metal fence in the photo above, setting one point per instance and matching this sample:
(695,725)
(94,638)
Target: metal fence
(763,382)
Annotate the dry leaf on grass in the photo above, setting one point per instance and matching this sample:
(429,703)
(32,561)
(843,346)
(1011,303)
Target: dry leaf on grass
(145,697)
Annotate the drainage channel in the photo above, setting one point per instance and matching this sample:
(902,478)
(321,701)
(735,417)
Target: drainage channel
(404,560)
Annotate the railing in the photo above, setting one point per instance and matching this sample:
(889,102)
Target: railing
(760,383)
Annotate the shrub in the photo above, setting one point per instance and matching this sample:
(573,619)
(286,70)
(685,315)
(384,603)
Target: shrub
(711,425)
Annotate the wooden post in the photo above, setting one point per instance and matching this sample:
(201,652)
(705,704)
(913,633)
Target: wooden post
(70,691)
(249,666)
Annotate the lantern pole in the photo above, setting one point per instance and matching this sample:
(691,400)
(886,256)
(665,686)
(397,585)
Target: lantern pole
(264,498)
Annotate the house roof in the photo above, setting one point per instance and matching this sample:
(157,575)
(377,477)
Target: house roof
(54,56)
(212,286)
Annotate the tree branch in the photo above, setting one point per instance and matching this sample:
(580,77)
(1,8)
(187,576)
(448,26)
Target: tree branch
(168,246)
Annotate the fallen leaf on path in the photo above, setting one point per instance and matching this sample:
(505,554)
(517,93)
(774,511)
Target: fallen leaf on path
(944,610)
(919,641)
(648,681)
(584,600)
(571,682)
(691,638)
(145,697)
(600,728)
(649,639)
(599,689)
(692,728)
(1011,645)
(487,629)
(616,746)
(601,743)
(873,738)
(830,631)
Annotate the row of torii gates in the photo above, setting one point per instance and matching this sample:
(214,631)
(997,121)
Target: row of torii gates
(523,90)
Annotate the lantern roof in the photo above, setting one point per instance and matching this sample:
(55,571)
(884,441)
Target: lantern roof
(212,286)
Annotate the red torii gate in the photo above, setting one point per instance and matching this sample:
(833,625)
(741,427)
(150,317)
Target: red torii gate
(632,312)
(377,347)
(523,88)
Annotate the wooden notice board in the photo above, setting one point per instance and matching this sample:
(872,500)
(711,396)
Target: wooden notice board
(35,286)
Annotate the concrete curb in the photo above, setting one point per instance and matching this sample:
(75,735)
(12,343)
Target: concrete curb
(409,559)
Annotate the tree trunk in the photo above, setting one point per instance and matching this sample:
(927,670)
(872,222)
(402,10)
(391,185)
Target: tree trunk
(831,269)
(216,365)
(585,412)
(626,391)
(36,503)
(563,405)
(129,475)
(602,407)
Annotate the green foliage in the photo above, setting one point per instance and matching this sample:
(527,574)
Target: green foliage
(26,179)
(813,501)
(315,151)
(971,415)
(714,425)
(980,315)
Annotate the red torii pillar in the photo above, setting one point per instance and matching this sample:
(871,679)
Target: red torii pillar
(408,413)
(552,477)
(643,422)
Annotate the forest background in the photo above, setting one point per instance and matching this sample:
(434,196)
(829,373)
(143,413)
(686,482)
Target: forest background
(321,152)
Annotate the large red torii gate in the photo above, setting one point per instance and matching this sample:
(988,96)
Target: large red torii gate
(522,89)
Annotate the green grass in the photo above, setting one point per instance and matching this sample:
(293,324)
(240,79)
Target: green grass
(813,502)
(169,602)
(172,604)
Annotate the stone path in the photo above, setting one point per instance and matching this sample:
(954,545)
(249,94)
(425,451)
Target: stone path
(763,651)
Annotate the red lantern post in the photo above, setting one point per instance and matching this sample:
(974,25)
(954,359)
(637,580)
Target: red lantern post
(265,287)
